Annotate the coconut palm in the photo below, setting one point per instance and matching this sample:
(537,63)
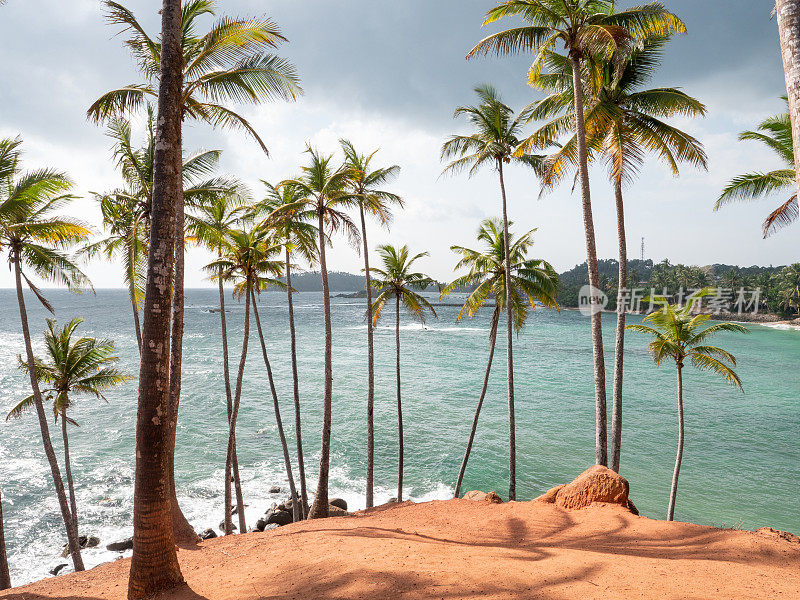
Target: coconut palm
(397,280)
(72,366)
(584,27)
(788,17)
(35,238)
(298,238)
(776,134)
(233,62)
(154,565)
(534,280)
(624,123)
(323,198)
(494,142)
(678,334)
(365,184)
(789,293)
(208,224)
(5,576)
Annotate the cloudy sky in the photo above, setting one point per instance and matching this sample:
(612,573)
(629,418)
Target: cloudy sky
(388,75)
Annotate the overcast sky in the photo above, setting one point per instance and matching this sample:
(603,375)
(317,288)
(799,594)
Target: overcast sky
(388,75)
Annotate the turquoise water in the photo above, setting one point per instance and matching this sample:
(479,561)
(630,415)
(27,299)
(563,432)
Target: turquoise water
(741,463)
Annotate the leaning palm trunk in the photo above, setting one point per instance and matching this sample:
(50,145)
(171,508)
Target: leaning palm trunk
(512,441)
(673,493)
(232,423)
(5,577)
(788,13)
(182,529)
(492,340)
(601,444)
(276,406)
(73,504)
(137,326)
(399,406)
(154,565)
(72,538)
(619,348)
(370,369)
(320,507)
(234,462)
(296,388)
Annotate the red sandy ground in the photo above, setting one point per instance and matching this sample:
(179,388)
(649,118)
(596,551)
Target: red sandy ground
(465,549)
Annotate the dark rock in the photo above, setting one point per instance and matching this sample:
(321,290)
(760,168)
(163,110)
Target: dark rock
(222,526)
(235,510)
(279,517)
(84,542)
(120,546)
(275,489)
(271,526)
(260,524)
(339,502)
(55,570)
(208,534)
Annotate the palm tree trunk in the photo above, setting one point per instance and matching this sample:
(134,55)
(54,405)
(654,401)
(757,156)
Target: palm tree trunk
(619,348)
(72,539)
(182,530)
(233,465)
(232,424)
(788,13)
(320,507)
(137,326)
(601,444)
(154,566)
(296,385)
(512,438)
(276,406)
(73,504)
(492,340)
(673,493)
(370,369)
(399,405)
(5,577)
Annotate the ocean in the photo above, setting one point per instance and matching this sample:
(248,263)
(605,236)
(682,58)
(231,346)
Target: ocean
(741,461)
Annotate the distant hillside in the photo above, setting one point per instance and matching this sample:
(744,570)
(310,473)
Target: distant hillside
(337,282)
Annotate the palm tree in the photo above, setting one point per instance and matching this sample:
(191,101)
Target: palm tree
(624,122)
(322,198)
(154,566)
(494,143)
(208,224)
(534,280)
(34,238)
(365,185)
(584,27)
(678,335)
(790,288)
(397,280)
(297,238)
(776,134)
(788,16)
(233,62)
(81,366)
(5,576)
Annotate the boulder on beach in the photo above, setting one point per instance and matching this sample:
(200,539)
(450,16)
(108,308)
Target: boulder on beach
(222,526)
(84,542)
(479,496)
(57,569)
(275,489)
(550,495)
(208,534)
(595,484)
(279,517)
(336,511)
(120,546)
(339,502)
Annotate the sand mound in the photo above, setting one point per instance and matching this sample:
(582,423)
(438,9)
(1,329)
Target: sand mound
(464,549)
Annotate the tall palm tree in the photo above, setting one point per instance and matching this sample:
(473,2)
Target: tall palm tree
(365,184)
(323,197)
(788,17)
(208,224)
(790,288)
(678,334)
(232,62)
(496,138)
(397,280)
(776,134)
(584,27)
(154,565)
(533,280)
(5,576)
(298,238)
(624,122)
(81,366)
(34,238)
